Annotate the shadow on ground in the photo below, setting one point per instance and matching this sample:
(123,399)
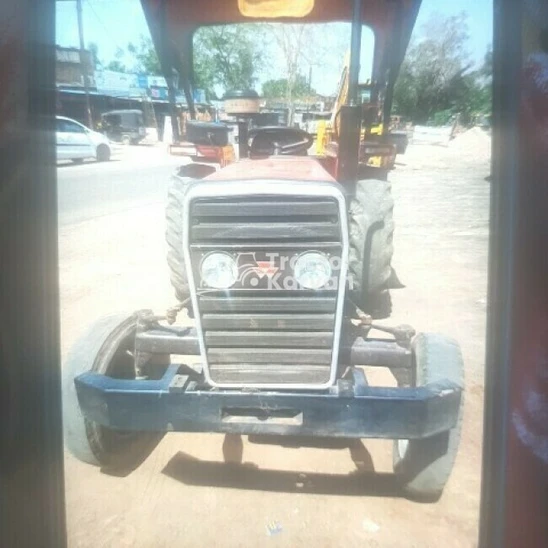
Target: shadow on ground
(235,474)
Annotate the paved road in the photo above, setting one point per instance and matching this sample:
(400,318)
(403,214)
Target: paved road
(135,177)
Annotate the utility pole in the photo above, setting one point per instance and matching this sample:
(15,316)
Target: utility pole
(82,51)
(309,88)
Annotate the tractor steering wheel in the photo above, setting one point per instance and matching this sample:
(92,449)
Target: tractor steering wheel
(274,140)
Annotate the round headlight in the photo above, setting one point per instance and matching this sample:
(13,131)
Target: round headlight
(312,270)
(219,270)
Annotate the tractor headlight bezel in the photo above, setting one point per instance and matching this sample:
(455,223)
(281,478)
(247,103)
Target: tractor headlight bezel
(312,270)
(218,270)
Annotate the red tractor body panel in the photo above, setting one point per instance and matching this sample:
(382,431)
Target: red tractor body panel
(285,168)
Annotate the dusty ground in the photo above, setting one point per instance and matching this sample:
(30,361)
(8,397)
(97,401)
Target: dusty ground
(185,495)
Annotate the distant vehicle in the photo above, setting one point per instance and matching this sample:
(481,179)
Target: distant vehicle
(124,126)
(76,142)
(311,119)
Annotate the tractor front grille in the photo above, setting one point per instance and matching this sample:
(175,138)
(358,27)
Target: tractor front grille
(266,331)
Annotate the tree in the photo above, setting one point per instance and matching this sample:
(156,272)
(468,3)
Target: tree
(94,50)
(145,56)
(486,69)
(436,80)
(296,44)
(226,56)
(277,89)
(116,64)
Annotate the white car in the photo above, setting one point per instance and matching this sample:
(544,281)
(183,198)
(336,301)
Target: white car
(76,142)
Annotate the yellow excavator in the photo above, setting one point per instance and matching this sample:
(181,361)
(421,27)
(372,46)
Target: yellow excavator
(372,153)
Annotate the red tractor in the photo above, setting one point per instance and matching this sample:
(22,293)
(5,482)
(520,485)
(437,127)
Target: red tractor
(283,261)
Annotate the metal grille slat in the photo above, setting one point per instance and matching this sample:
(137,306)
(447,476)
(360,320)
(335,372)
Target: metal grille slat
(327,246)
(285,356)
(313,322)
(272,304)
(287,339)
(241,209)
(271,374)
(264,231)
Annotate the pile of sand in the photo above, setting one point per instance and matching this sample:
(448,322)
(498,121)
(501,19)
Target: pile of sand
(474,143)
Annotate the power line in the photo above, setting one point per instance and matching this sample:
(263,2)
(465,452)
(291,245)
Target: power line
(100,21)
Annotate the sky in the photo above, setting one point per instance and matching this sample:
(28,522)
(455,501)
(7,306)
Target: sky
(112,24)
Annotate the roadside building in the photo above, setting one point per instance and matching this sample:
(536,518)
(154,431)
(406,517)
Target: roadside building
(112,90)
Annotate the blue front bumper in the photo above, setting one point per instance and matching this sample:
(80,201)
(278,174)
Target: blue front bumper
(351,409)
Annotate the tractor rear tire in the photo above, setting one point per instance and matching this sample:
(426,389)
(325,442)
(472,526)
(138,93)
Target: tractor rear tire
(371,227)
(104,349)
(174,236)
(424,465)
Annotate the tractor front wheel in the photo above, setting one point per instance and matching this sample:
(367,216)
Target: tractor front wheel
(105,348)
(424,465)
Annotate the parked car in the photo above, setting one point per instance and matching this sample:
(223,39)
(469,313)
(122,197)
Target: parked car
(124,126)
(76,142)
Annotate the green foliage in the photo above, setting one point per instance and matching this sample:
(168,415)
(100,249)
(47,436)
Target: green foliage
(94,50)
(277,89)
(442,118)
(116,66)
(486,69)
(435,81)
(297,44)
(226,56)
(471,98)
(223,56)
(146,59)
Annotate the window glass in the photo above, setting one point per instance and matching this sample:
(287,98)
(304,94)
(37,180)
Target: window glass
(71,127)
(296,66)
(66,126)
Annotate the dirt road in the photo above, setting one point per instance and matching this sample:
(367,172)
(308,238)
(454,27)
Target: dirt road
(186,495)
